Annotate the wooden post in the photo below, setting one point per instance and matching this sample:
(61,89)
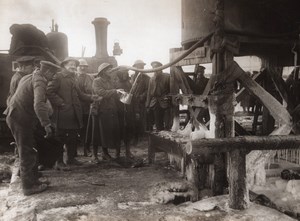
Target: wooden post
(221,124)
(174,89)
(238,194)
(221,105)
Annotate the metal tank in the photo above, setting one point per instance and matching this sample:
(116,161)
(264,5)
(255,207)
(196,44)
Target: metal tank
(254,19)
(58,43)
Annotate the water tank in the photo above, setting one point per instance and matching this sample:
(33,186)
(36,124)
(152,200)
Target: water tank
(58,43)
(253,18)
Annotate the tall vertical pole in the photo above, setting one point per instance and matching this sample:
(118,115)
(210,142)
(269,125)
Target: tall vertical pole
(221,100)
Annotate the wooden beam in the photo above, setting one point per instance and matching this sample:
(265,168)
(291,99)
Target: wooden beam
(199,56)
(242,92)
(244,143)
(175,147)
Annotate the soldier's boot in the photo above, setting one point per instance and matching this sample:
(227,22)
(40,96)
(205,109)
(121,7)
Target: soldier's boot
(71,153)
(105,154)
(86,150)
(95,154)
(60,165)
(37,188)
(128,153)
(118,152)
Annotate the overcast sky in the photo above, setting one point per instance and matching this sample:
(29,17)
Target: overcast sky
(145,29)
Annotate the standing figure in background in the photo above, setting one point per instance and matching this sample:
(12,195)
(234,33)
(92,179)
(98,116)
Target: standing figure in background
(85,82)
(200,82)
(126,114)
(157,100)
(64,94)
(140,83)
(245,102)
(109,126)
(26,66)
(25,109)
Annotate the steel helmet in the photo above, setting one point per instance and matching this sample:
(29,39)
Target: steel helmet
(82,62)
(137,62)
(103,66)
(69,59)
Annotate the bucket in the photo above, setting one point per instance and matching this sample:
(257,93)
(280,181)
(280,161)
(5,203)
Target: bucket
(126,98)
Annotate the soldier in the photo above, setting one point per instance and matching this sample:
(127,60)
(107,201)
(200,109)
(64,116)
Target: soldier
(64,94)
(126,114)
(85,82)
(198,89)
(139,91)
(109,125)
(157,102)
(26,107)
(26,66)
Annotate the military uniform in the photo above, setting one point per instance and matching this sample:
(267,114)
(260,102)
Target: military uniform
(27,106)
(85,83)
(64,95)
(108,113)
(159,87)
(139,101)
(18,76)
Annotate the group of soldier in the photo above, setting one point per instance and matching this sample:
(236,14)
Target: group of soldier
(64,105)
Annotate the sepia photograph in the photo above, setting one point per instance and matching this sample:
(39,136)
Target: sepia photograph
(154,110)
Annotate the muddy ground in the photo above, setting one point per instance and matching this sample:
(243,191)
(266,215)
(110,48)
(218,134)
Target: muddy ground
(119,191)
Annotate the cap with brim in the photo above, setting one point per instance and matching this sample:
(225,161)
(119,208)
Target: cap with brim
(25,59)
(201,67)
(103,67)
(69,59)
(156,64)
(137,62)
(49,65)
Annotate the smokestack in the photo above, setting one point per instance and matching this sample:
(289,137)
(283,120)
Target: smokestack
(101,36)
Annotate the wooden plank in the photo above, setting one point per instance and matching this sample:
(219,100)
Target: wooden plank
(199,56)
(244,143)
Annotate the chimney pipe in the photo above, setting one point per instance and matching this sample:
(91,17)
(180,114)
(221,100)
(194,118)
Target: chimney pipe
(101,36)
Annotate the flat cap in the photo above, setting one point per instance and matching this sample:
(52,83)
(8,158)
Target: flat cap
(67,59)
(25,59)
(155,64)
